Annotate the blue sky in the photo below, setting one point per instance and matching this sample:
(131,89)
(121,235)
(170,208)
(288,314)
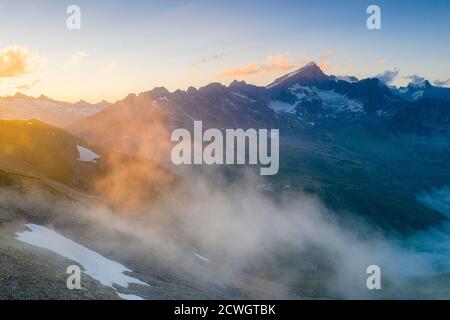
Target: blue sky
(132,46)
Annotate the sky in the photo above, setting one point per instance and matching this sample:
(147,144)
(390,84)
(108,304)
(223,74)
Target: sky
(133,46)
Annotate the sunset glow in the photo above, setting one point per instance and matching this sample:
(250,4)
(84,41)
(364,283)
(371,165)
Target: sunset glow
(124,48)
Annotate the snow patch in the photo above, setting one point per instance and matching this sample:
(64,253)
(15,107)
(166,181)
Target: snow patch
(129,296)
(339,102)
(346,79)
(106,271)
(201,257)
(279,106)
(299,91)
(416,95)
(86,155)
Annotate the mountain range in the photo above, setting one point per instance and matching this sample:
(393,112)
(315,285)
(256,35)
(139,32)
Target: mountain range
(58,113)
(357,151)
(299,100)
(353,143)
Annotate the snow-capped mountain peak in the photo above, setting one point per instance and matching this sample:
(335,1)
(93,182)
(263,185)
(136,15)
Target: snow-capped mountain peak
(309,74)
(422,89)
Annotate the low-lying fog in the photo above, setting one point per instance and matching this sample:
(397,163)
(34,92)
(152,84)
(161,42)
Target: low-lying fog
(238,234)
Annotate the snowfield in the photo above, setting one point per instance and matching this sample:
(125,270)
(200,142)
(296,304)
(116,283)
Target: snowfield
(340,103)
(106,271)
(279,106)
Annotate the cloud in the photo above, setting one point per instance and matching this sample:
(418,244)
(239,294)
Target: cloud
(27,86)
(382,62)
(442,83)
(78,57)
(15,61)
(329,67)
(266,250)
(326,62)
(272,64)
(212,58)
(415,79)
(388,76)
(327,54)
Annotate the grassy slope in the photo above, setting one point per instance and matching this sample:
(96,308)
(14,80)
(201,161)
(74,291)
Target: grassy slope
(34,153)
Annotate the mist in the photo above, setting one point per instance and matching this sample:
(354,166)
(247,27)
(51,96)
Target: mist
(231,235)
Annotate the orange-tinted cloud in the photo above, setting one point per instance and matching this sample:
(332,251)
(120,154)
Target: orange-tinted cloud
(327,64)
(272,64)
(382,62)
(330,67)
(27,86)
(15,61)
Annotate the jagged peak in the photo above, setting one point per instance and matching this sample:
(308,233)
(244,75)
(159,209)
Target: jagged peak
(215,86)
(420,84)
(158,92)
(21,95)
(237,83)
(191,90)
(311,64)
(310,72)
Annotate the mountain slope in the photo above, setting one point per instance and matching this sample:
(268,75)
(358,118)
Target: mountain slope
(48,156)
(423,116)
(135,125)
